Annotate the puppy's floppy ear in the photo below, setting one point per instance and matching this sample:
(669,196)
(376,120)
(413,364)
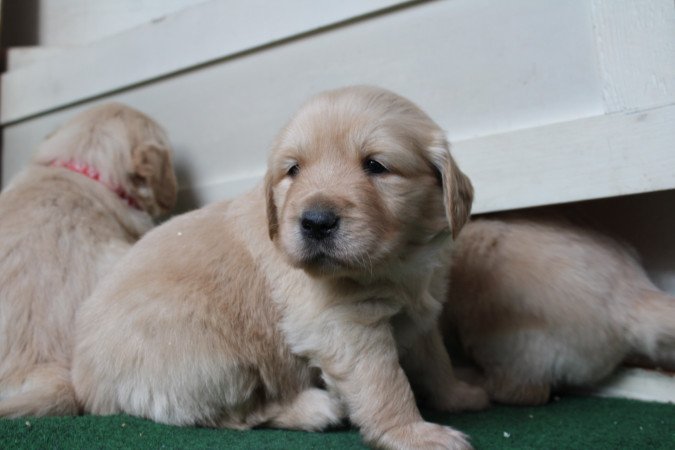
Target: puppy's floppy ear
(272,218)
(152,168)
(457,188)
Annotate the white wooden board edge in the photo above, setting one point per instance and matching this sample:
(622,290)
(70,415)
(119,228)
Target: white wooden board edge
(595,157)
(167,46)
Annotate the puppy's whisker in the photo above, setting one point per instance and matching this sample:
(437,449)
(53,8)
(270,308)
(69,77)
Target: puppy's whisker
(366,262)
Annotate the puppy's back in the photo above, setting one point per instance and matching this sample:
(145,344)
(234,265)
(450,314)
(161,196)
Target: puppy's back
(55,242)
(525,261)
(37,220)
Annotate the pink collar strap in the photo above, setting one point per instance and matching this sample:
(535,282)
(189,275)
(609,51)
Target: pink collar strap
(94,174)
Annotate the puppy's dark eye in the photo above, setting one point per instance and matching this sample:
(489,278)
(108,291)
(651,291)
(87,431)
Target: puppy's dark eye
(293,171)
(373,167)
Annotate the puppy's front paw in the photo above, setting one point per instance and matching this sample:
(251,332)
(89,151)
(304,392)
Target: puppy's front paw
(323,410)
(424,436)
(312,410)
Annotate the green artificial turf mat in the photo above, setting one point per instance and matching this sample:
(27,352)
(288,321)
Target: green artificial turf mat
(570,423)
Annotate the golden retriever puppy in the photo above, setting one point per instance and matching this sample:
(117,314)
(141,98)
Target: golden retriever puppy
(540,303)
(301,301)
(87,195)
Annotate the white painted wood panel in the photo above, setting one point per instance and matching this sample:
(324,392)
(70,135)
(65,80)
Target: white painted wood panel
(209,31)
(68,23)
(635,42)
(448,56)
(596,157)
(18,57)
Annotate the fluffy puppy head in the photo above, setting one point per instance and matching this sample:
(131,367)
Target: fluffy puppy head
(359,179)
(128,149)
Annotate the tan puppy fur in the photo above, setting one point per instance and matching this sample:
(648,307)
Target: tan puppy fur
(60,231)
(540,304)
(237,314)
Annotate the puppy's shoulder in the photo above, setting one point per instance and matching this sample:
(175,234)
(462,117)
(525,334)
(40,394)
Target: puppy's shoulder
(220,231)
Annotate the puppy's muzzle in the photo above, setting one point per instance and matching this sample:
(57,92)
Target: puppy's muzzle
(318,224)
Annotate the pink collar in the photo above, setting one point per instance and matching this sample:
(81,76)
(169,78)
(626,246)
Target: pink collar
(95,175)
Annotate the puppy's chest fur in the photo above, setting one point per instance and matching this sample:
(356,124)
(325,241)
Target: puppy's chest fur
(315,311)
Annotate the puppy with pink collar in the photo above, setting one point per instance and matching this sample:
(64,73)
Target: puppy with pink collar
(89,193)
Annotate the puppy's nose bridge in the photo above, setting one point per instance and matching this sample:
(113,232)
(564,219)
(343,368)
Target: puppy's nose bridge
(319,223)
(330,174)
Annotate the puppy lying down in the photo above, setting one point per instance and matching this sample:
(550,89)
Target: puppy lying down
(540,304)
(331,273)
(87,195)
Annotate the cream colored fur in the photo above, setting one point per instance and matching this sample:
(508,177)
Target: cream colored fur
(230,316)
(60,231)
(541,303)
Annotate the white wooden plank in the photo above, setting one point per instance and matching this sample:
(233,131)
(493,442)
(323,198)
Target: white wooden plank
(639,384)
(224,116)
(18,57)
(596,157)
(635,42)
(194,36)
(69,23)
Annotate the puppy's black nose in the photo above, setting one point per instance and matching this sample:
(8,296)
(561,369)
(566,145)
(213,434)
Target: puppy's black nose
(319,223)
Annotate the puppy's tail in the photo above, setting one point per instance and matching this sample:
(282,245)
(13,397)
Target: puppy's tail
(45,391)
(653,329)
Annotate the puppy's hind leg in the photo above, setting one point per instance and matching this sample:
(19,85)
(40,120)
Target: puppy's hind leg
(653,328)
(430,370)
(312,410)
(46,390)
(505,388)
